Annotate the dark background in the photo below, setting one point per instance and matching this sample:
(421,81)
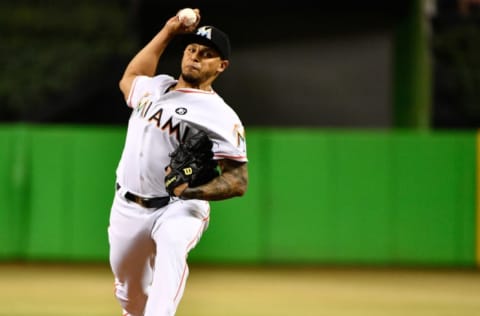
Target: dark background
(456,72)
(294,63)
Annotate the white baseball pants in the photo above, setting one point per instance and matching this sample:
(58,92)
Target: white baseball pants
(148,252)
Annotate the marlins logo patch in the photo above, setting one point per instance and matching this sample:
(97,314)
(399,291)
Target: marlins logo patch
(239,134)
(181,111)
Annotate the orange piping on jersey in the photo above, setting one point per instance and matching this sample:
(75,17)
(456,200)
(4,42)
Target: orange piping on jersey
(130,95)
(240,157)
(186,90)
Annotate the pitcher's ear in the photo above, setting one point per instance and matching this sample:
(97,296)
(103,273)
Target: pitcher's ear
(223,65)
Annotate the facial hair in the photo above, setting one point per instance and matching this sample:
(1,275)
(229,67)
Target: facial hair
(190,79)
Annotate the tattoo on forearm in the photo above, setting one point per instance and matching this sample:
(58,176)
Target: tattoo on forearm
(232,182)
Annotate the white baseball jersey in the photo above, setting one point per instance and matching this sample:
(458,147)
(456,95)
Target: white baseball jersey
(161,119)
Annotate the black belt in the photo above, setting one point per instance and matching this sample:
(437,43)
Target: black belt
(156,202)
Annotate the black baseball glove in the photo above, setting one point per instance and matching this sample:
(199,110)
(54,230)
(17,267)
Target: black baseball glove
(192,162)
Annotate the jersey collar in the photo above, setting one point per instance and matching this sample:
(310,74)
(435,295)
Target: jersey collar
(192,90)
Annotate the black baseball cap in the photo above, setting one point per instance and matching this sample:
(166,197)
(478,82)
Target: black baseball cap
(212,37)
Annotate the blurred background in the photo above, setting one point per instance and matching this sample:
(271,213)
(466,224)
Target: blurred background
(362,134)
(342,64)
(361,121)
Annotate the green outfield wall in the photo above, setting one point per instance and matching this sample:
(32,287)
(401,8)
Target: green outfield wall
(315,197)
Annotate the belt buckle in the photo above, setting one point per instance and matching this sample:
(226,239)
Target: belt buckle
(139,201)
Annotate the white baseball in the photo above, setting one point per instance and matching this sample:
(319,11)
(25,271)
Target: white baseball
(187,16)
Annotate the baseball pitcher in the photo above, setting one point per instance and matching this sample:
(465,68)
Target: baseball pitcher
(184,147)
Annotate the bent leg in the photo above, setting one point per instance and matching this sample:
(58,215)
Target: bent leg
(175,234)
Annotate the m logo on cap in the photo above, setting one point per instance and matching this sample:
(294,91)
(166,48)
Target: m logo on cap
(205,31)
